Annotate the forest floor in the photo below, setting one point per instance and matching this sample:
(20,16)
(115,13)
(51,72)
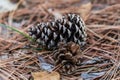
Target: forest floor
(20,59)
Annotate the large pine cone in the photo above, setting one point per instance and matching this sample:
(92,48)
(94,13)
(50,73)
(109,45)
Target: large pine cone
(69,28)
(68,55)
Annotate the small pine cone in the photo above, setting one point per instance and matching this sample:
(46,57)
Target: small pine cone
(67,56)
(69,28)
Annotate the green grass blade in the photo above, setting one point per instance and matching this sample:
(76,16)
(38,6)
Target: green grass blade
(18,31)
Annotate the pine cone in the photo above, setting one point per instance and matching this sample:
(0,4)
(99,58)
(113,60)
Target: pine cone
(67,56)
(69,28)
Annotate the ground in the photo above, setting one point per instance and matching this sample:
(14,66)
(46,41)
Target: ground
(20,57)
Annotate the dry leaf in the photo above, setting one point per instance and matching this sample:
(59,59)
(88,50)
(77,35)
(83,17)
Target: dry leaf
(44,75)
(84,10)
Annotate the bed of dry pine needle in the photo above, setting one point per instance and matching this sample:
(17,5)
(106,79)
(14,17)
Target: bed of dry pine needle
(102,18)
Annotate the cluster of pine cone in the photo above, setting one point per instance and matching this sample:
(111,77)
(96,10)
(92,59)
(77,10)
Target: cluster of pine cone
(67,55)
(69,28)
(67,35)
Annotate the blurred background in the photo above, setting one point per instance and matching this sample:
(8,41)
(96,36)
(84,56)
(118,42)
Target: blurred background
(21,13)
